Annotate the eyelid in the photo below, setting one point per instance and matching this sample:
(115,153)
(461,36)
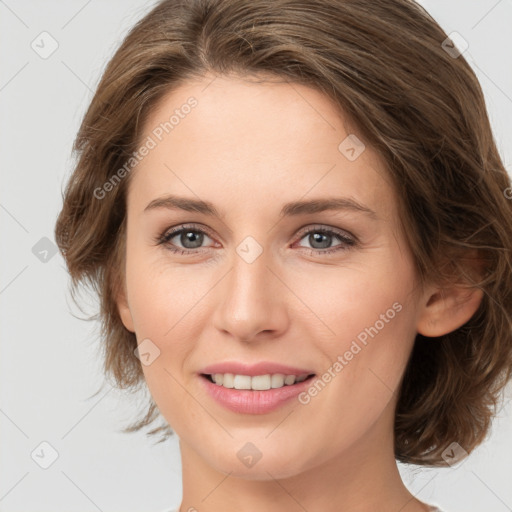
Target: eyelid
(171,232)
(323,227)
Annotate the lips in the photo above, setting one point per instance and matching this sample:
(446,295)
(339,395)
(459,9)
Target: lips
(259,399)
(254,401)
(261,368)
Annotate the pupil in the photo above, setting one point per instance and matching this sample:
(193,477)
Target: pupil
(316,238)
(189,237)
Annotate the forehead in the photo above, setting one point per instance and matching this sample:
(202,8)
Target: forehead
(223,139)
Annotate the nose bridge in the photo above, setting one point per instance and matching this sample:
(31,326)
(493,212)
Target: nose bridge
(250,301)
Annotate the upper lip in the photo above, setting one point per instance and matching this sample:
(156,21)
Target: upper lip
(261,368)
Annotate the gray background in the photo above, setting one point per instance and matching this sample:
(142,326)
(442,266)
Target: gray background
(49,363)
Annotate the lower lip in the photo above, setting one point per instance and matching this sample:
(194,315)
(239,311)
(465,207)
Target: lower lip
(246,401)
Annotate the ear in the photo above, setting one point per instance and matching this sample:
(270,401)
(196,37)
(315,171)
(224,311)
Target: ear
(124,310)
(446,309)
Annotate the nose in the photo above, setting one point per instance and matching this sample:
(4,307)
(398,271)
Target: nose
(251,301)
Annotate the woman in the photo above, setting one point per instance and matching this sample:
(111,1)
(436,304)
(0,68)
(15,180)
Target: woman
(296,219)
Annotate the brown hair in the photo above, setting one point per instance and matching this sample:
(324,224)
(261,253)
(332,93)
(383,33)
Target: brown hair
(422,109)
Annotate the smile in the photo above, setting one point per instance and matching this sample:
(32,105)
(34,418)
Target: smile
(255,382)
(257,394)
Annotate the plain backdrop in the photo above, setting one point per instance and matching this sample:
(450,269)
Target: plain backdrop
(49,360)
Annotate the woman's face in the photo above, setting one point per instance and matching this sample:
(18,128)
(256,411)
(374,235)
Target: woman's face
(271,277)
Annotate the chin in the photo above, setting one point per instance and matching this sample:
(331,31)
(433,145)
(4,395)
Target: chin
(265,469)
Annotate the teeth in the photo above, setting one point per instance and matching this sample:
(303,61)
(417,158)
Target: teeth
(258,382)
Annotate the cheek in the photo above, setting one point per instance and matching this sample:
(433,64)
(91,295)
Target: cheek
(371,316)
(351,299)
(168,309)
(165,308)
(160,296)
(373,341)
(360,381)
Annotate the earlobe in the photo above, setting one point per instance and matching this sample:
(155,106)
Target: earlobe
(447,309)
(124,311)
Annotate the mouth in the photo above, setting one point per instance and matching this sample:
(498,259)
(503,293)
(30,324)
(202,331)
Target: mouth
(255,394)
(256,382)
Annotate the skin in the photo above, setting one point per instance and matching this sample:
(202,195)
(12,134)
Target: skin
(249,148)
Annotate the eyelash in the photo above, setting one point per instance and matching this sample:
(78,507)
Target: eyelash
(347,240)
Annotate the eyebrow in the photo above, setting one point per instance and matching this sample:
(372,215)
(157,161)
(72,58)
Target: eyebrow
(289,209)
